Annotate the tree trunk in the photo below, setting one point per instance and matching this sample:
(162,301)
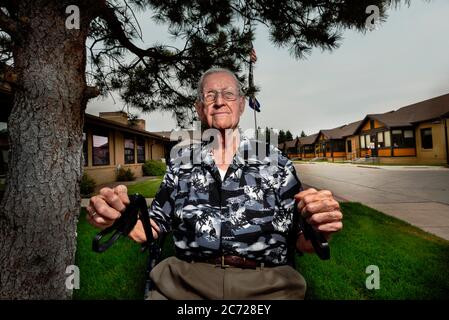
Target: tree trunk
(40,208)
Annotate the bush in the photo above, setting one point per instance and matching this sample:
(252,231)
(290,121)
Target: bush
(154,168)
(125,175)
(87,185)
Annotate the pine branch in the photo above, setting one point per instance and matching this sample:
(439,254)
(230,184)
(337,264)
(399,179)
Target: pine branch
(115,26)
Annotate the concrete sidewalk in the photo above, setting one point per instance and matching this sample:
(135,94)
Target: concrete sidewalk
(417,195)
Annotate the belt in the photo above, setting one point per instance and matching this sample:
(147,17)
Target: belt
(227,261)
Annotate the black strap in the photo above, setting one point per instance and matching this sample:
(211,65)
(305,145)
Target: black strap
(137,209)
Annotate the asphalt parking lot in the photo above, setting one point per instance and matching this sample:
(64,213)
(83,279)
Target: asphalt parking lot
(417,195)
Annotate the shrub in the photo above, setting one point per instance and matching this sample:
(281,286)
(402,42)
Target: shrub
(87,185)
(154,168)
(125,175)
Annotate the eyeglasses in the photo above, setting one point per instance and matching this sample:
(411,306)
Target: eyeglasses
(212,96)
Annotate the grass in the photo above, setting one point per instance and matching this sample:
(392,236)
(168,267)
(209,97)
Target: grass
(118,273)
(147,188)
(412,263)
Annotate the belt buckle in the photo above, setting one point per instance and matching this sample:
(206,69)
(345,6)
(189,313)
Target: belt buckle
(222,264)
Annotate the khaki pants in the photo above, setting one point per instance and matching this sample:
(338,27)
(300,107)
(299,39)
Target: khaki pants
(176,279)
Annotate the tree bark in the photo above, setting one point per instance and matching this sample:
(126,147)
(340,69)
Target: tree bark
(40,208)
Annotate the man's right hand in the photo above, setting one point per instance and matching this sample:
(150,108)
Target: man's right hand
(108,205)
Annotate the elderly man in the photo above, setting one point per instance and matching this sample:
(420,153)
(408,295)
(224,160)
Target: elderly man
(232,215)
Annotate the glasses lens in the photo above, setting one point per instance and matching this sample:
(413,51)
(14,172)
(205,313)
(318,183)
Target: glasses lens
(227,95)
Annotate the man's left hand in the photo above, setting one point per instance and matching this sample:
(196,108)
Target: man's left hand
(320,210)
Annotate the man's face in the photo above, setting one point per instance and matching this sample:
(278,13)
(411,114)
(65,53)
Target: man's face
(222,105)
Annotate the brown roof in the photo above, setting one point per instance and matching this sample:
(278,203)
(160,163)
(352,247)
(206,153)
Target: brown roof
(290,144)
(341,132)
(121,126)
(418,112)
(308,140)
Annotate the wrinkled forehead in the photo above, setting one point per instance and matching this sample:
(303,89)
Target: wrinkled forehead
(219,81)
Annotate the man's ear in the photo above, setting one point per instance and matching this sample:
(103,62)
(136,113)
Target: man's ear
(242,105)
(199,107)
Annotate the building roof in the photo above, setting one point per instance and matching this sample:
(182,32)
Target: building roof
(427,110)
(341,132)
(117,125)
(291,143)
(308,140)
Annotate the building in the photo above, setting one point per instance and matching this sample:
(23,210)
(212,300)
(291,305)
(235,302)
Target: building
(111,142)
(290,148)
(307,146)
(414,134)
(417,133)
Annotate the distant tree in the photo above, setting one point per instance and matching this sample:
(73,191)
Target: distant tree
(288,136)
(282,136)
(303,134)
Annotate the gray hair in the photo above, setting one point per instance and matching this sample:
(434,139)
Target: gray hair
(217,70)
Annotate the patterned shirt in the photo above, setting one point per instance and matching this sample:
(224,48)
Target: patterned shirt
(249,214)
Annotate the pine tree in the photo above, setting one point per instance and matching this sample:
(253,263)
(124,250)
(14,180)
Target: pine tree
(45,41)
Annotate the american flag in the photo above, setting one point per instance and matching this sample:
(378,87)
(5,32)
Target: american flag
(253,56)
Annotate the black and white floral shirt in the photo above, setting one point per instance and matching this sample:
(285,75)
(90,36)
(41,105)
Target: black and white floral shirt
(249,214)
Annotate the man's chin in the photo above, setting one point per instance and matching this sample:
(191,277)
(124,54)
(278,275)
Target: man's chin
(222,125)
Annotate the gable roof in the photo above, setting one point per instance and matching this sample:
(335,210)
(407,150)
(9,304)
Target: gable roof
(291,143)
(341,132)
(407,116)
(308,140)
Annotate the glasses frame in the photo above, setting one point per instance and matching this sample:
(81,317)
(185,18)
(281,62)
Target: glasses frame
(223,95)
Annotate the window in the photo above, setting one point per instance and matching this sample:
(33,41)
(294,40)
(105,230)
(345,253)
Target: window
(371,124)
(339,146)
(397,138)
(362,142)
(426,138)
(349,146)
(100,148)
(380,140)
(368,141)
(140,150)
(409,139)
(85,149)
(129,150)
(387,139)
(403,138)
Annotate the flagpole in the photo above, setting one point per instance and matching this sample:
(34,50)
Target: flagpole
(251,86)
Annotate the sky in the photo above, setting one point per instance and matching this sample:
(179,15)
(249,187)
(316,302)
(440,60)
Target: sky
(404,61)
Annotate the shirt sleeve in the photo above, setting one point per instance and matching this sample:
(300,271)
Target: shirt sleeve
(289,185)
(162,207)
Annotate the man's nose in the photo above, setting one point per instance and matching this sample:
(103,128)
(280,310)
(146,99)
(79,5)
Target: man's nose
(219,101)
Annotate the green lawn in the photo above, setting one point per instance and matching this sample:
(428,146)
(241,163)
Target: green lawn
(413,264)
(147,188)
(118,273)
